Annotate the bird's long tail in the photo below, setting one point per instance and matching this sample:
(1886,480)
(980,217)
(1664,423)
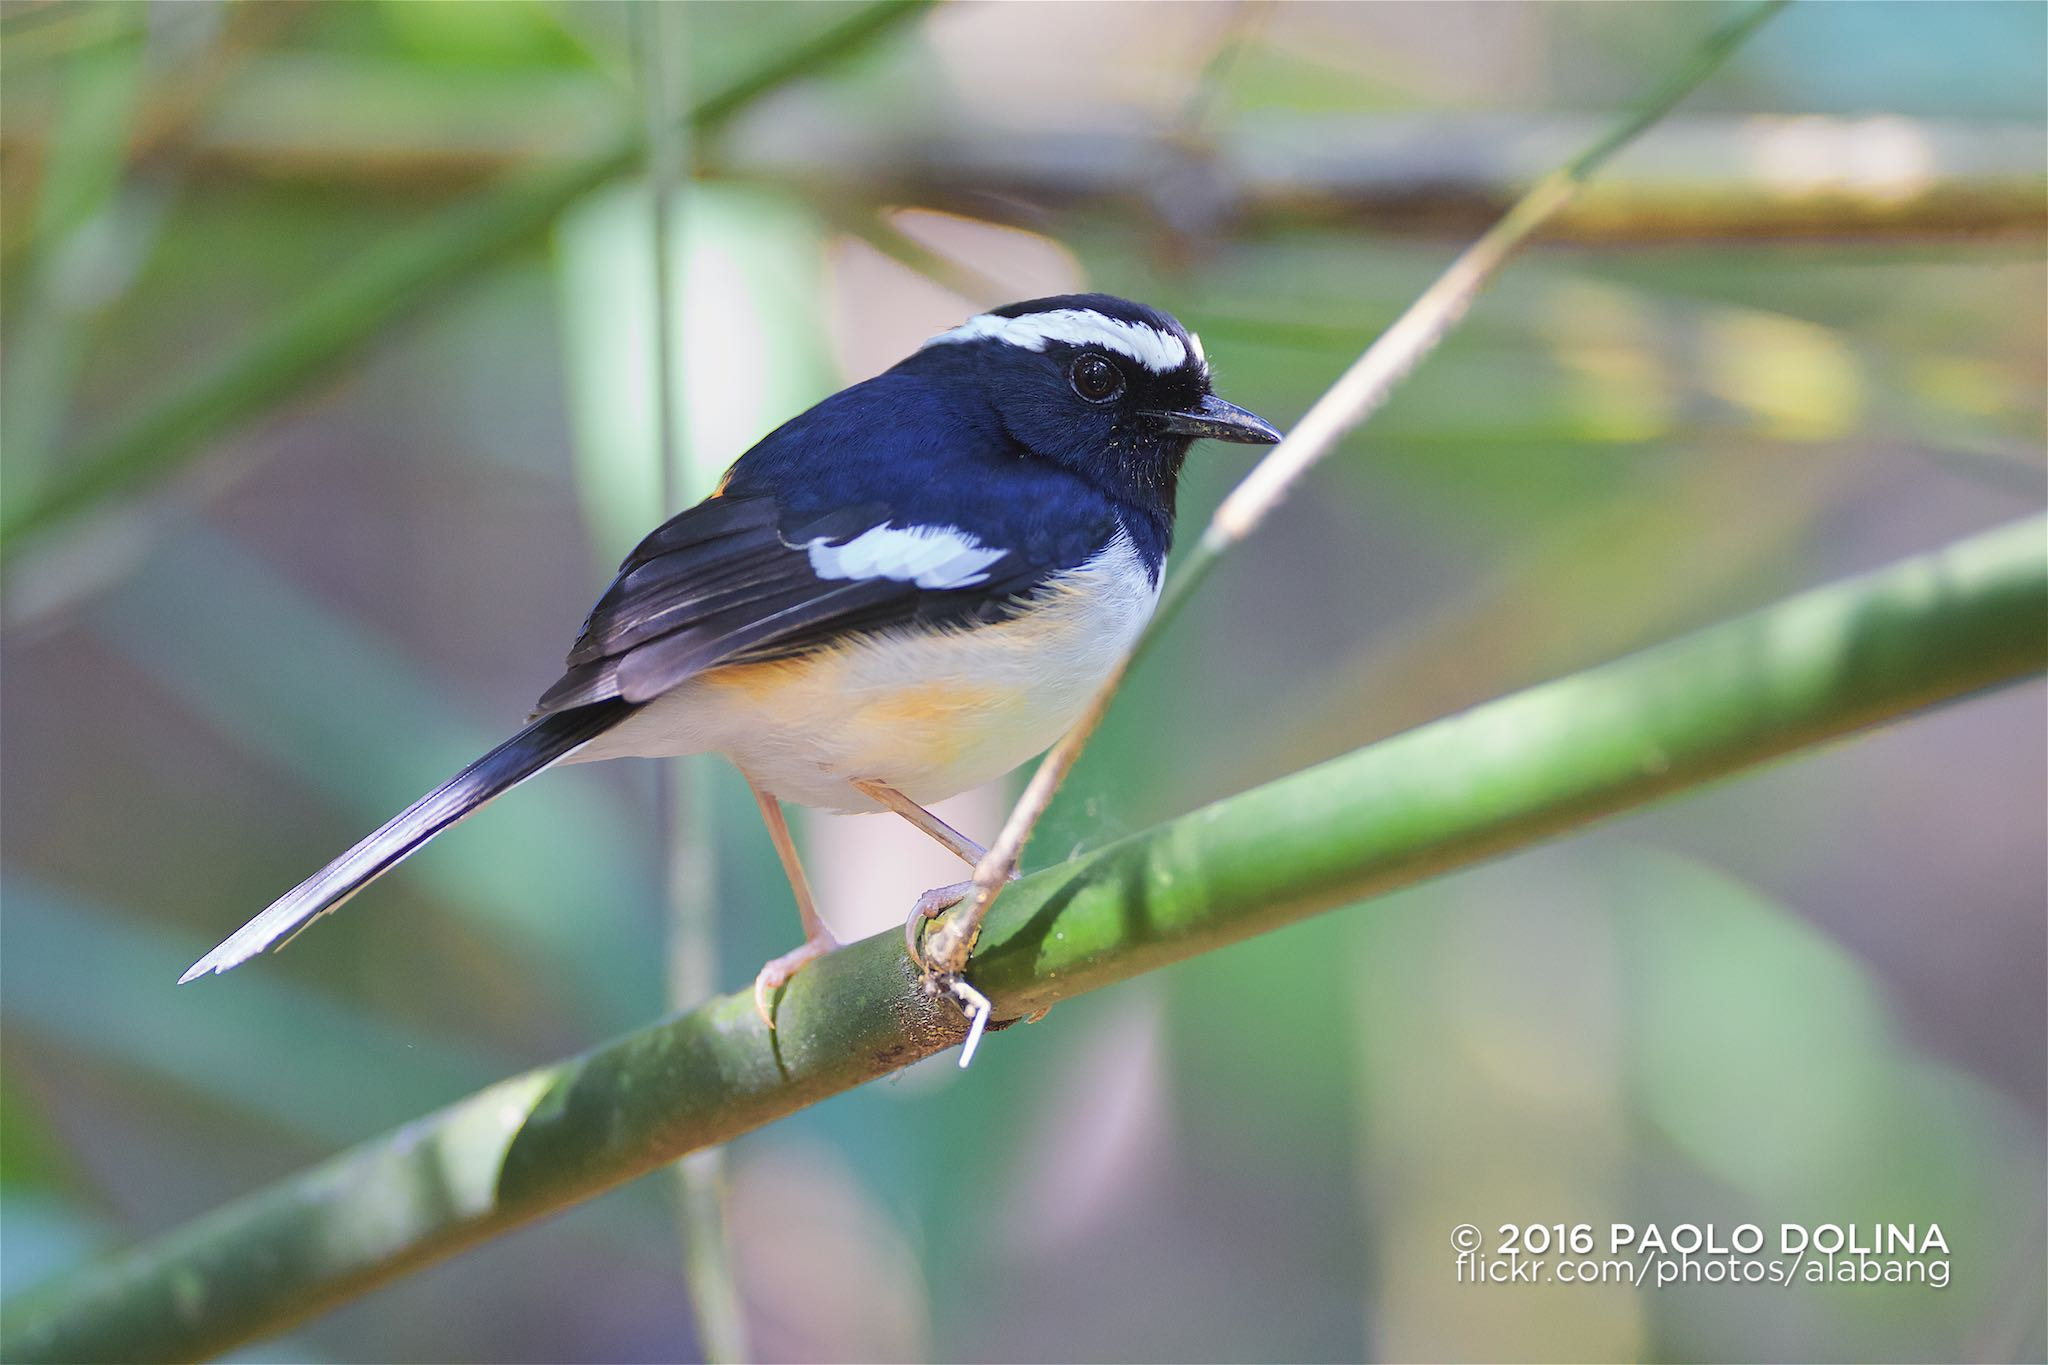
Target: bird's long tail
(497,772)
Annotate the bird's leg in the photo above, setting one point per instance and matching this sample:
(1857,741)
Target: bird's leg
(818,940)
(939,899)
(948,838)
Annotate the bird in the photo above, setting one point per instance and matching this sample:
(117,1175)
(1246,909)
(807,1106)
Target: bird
(901,593)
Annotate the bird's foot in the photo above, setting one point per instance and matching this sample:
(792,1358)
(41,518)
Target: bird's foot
(775,974)
(930,906)
(943,965)
(945,954)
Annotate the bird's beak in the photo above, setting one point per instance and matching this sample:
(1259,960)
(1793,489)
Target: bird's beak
(1224,421)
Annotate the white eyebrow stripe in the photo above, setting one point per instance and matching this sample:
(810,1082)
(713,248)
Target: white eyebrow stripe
(1159,352)
(929,556)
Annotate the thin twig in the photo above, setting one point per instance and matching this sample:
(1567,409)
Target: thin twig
(1712,177)
(689,871)
(1360,392)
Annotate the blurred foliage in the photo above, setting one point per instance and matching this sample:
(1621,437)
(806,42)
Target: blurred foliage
(1815,992)
(1441,797)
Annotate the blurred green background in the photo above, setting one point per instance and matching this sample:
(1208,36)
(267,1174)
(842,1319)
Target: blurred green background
(1797,332)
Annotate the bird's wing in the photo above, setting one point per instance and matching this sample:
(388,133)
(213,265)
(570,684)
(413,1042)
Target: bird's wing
(739,579)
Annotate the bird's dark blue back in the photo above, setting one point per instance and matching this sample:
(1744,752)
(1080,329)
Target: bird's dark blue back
(924,441)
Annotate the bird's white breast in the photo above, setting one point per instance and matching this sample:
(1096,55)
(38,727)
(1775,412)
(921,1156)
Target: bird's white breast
(931,712)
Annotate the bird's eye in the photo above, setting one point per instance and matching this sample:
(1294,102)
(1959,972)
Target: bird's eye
(1096,379)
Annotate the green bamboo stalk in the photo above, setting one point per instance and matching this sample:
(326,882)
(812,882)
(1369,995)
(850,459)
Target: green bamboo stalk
(1501,776)
(390,281)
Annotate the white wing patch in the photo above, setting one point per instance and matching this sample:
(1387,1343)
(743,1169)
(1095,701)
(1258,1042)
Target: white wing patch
(1159,352)
(929,556)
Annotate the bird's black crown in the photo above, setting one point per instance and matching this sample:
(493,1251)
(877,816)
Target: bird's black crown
(1107,388)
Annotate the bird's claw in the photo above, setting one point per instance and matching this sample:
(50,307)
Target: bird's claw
(930,906)
(776,972)
(944,959)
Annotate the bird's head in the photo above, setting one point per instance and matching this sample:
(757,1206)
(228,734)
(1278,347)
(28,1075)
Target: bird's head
(1108,388)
